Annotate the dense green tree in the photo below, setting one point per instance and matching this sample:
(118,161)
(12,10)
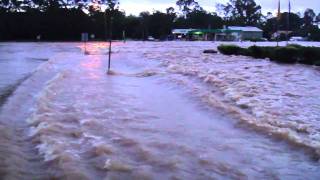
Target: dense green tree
(295,22)
(11,5)
(273,24)
(310,29)
(315,34)
(67,19)
(144,21)
(133,27)
(318,19)
(160,30)
(241,12)
(186,6)
(200,19)
(309,17)
(157,24)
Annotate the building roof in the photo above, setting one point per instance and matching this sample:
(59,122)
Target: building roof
(202,31)
(245,28)
(181,31)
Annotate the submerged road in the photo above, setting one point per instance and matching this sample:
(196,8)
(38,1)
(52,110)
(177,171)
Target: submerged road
(70,120)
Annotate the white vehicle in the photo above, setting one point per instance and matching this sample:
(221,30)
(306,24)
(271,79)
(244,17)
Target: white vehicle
(297,38)
(150,38)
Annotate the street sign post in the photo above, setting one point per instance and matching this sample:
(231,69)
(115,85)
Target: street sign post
(110,43)
(124,36)
(85,38)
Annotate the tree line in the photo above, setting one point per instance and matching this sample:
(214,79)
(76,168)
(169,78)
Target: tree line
(65,20)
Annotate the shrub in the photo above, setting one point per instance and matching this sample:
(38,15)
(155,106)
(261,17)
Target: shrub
(295,45)
(210,51)
(268,51)
(231,50)
(287,54)
(317,63)
(290,54)
(309,55)
(256,52)
(244,52)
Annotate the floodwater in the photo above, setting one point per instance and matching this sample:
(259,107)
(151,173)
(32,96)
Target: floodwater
(19,60)
(159,115)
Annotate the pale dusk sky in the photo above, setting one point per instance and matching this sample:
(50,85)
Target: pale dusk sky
(137,6)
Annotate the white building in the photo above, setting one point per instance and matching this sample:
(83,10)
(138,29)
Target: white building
(181,33)
(247,32)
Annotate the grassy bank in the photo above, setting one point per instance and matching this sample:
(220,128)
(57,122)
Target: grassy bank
(288,54)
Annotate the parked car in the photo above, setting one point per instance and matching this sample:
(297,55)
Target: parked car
(297,38)
(150,38)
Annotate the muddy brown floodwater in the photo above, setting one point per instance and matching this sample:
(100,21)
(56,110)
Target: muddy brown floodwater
(152,118)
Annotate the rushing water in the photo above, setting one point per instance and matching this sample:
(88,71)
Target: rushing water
(166,112)
(19,60)
(282,100)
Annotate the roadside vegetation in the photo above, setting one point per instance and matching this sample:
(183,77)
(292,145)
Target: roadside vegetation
(290,54)
(56,20)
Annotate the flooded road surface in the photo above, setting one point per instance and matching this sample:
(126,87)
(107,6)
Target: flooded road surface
(70,120)
(19,60)
(279,99)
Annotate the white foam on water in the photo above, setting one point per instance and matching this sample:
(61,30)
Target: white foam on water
(281,99)
(152,120)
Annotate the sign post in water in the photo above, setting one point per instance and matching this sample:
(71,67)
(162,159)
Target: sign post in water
(85,38)
(110,43)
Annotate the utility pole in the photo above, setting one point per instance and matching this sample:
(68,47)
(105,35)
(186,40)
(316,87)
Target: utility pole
(288,22)
(110,42)
(111,8)
(105,26)
(124,36)
(278,20)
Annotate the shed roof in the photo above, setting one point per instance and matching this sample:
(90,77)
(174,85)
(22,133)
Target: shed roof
(245,28)
(181,31)
(213,31)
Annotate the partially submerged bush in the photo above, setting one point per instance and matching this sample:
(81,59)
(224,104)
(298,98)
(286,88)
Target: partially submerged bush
(231,50)
(310,55)
(292,53)
(210,51)
(317,63)
(287,54)
(295,45)
(256,52)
